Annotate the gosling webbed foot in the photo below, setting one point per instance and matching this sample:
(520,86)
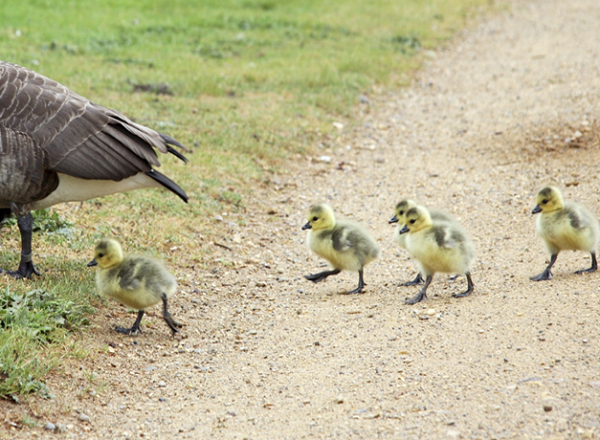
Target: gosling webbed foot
(361,284)
(173,325)
(417,281)
(594,265)
(545,275)
(318,277)
(467,292)
(128,331)
(135,328)
(421,296)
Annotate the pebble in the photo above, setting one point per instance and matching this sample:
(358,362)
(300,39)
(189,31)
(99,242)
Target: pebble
(162,384)
(325,159)
(547,408)
(339,399)
(431,312)
(50,426)
(84,418)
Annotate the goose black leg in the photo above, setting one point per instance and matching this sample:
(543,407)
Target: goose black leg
(361,284)
(546,274)
(173,325)
(317,277)
(594,265)
(26,268)
(422,295)
(418,280)
(136,326)
(469,287)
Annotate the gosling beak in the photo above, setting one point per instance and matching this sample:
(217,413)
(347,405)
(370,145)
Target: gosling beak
(536,209)
(92,263)
(404,230)
(306,226)
(394,219)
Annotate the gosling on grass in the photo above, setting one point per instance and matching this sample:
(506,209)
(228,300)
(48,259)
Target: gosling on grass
(400,217)
(137,282)
(438,247)
(564,226)
(346,245)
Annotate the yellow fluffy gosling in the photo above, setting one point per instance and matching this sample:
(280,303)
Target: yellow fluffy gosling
(564,226)
(137,282)
(400,217)
(438,247)
(346,245)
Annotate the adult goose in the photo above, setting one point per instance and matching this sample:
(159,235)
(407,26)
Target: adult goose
(56,146)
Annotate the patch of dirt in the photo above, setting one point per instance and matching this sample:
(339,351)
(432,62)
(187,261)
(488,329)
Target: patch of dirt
(267,354)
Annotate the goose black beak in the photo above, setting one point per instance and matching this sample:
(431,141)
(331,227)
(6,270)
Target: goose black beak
(536,209)
(92,263)
(394,219)
(404,230)
(306,226)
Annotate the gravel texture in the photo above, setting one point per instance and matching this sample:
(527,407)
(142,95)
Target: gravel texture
(510,106)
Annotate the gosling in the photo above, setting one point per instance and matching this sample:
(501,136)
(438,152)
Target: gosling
(137,282)
(437,247)
(346,245)
(564,226)
(400,217)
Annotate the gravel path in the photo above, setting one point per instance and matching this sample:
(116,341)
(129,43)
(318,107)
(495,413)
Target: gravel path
(512,105)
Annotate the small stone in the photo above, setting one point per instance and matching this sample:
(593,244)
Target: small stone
(338,125)
(218,218)
(325,159)
(577,134)
(84,418)
(162,384)
(50,426)
(547,408)
(431,312)
(363,99)
(272,211)
(339,400)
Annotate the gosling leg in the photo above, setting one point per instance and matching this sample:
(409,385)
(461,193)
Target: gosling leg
(469,287)
(594,265)
(135,328)
(361,284)
(546,274)
(173,325)
(422,295)
(26,268)
(318,277)
(418,280)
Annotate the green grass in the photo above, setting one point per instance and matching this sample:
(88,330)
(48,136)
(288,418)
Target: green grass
(245,83)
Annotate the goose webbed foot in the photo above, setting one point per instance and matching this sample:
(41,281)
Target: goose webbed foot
(467,292)
(417,281)
(318,277)
(26,270)
(135,329)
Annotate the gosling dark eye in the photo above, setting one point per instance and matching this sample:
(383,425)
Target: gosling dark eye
(401,212)
(315,218)
(412,222)
(544,202)
(100,255)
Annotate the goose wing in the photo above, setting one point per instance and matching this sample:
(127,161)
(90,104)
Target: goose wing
(78,137)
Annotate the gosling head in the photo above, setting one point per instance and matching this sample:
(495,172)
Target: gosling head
(108,253)
(549,199)
(417,218)
(400,211)
(320,217)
